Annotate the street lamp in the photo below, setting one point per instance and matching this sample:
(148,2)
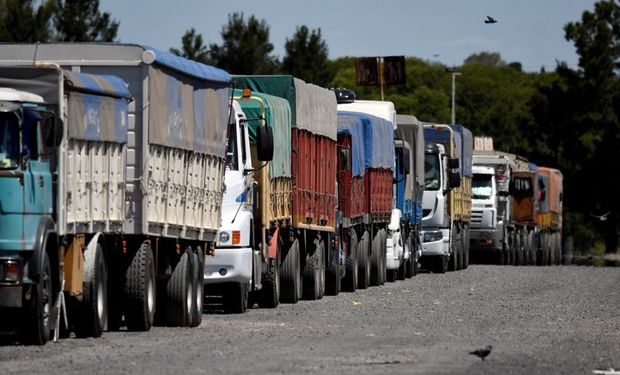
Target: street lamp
(454,73)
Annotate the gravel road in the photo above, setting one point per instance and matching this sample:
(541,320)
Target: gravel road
(540,320)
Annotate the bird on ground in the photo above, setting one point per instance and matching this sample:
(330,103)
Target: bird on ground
(601,217)
(482,353)
(490,20)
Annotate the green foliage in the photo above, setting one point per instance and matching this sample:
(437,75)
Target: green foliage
(81,21)
(193,47)
(20,22)
(485,58)
(307,57)
(246,48)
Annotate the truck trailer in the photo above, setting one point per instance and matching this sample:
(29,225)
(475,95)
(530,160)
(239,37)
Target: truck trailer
(378,120)
(447,197)
(170,186)
(299,226)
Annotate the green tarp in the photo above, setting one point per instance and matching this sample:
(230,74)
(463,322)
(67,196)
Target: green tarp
(277,113)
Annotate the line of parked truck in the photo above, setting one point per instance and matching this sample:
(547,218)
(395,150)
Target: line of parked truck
(134,182)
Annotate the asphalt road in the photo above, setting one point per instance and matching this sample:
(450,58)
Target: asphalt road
(540,320)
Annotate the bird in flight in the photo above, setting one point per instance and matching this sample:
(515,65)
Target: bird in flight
(436,55)
(482,352)
(601,217)
(490,20)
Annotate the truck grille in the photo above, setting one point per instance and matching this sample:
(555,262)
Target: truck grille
(476,217)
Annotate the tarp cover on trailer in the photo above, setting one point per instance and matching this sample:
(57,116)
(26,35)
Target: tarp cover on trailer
(186,113)
(97,107)
(411,130)
(278,116)
(313,108)
(350,123)
(464,149)
(378,142)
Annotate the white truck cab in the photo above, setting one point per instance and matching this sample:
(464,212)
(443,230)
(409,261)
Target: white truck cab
(231,269)
(435,222)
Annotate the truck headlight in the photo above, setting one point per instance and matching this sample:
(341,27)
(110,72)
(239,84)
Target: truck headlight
(432,236)
(224,237)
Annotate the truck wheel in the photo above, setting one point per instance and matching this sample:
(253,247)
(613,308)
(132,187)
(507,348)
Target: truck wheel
(349,282)
(383,256)
(236,298)
(199,292)
(180,293)
(93,317)
(36,324)
(460,253)
(363,264)
(312,273)
(140,290)
(332,275)
(442,264)
(409,262)
(466,246)
(270,292)
(402,270)
(375,260)
(290,275)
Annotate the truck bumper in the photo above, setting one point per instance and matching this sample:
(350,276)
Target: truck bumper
(436,247)
(393,255)
(229,265)
(484,241)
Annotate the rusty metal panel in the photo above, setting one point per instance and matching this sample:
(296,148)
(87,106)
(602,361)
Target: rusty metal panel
(74,266)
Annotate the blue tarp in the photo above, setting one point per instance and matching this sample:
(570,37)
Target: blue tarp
(189,67)
(379,142)
(351,124)
(532,167)
(463,141)
(97,107)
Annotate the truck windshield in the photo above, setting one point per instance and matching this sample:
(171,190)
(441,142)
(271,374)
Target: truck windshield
(482,186)
(232,161)
(431,172)
(9,140)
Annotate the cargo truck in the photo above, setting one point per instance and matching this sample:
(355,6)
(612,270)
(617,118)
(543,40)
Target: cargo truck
(495,235)
(376,213)
(447,197)
(549,215)
(144,223)
(241,271)
(409,190)
(298,192)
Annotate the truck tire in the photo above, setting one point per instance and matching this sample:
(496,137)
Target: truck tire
(461,248)
(518,250)
(236,298)
(139,290)
(290,275)
(180,301)
(312,275)
(402,270)
(442,264)
(332,275)
(270,293)
(199,292)
(93,317)
(36,325)
(375,260)
(363,264)
(349,282)
(383,268)
(466,249)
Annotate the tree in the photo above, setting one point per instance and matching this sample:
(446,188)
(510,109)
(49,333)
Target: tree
(485,58)
(19,22)
(81,21)
(595,117)
(307,57)
(246,48)
(193,47)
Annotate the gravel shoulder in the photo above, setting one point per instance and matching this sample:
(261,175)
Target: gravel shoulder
(540,320)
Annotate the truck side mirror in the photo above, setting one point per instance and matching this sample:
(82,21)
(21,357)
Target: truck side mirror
(264,143)
(455,179)
(53,131)
(453,163)
(503,193)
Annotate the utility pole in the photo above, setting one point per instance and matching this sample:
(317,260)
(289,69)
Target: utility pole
(454,73)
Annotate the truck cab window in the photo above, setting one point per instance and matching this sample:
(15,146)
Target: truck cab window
(30,134)
(482,186)
(431,172)
(232,161)
(9,140)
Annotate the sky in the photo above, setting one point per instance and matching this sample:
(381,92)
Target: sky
(446,31)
